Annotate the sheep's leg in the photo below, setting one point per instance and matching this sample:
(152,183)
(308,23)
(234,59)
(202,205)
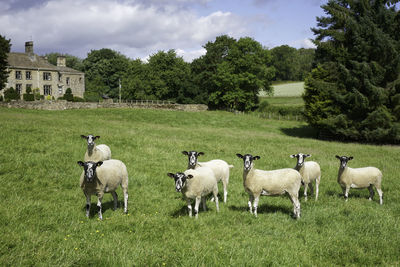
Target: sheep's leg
(203,200)
(189,205)
(196,206)
(215,193)
(225,184)
(296,205)
(346,193)
(125,191)
(255,204)
(380,193)
(251,199)
(87,205)
(100,198)
(371,192)
(317,187)
(115,197)
(305,191)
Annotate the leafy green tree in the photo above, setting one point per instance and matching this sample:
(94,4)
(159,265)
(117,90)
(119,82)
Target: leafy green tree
(232,72)
(108,66)
(4,50)
(284,59)
(354,91)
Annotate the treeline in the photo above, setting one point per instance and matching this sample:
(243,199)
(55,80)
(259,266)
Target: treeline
(228,76)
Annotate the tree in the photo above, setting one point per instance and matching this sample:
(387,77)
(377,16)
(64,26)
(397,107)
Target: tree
(354,91)
(284,59)
(11,94)
(5,47)
(232,72)
(107,66)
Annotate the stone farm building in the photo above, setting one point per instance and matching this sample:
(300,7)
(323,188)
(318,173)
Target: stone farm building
(28,70)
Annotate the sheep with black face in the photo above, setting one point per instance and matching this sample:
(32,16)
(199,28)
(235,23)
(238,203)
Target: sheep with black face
(102,177)
(196,184)
(218,166)
(96,152)
(359,178)
(310,171)
(270,183)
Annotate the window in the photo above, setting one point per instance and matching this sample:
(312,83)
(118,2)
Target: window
(46,76)
(59,77)
(28,88)
(18,88)
(28,75)
(80,79)
(46,89)
(60,90)
(18,75)
(67,80)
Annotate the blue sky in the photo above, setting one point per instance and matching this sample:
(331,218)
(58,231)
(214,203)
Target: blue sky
(139,28)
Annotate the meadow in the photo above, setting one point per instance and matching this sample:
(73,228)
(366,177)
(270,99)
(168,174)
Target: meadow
(42,211)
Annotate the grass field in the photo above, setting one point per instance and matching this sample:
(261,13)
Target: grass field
(287,89)
(42,217)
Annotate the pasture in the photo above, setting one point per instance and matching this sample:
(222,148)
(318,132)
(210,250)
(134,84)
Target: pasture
(42,211)
(286,89)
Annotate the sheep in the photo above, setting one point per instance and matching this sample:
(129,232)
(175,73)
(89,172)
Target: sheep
(104,177)
(196,184)
(310,172)
(270,183)
(218,166)
(359,178)
(96,153)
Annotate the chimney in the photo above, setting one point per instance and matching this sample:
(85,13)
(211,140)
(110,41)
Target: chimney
(29,48)
(61,61)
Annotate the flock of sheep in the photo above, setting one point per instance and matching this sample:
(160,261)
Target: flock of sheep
(102,174)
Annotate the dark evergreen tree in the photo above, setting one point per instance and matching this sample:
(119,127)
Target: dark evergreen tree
(353,93)
(5,46)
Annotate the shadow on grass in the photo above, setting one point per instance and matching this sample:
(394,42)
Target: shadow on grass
(302,132)
(264,208)
(109,205)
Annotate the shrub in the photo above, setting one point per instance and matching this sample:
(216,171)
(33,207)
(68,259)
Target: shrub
(78,99)
(11,94)
(68,95)
(28,97)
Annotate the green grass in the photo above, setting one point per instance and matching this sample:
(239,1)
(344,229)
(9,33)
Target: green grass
(284,101)
(286,89)
(42,217)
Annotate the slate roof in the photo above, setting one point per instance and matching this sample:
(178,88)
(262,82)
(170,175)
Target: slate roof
(26,61)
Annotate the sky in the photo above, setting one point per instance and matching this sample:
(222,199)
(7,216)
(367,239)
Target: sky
(140,28)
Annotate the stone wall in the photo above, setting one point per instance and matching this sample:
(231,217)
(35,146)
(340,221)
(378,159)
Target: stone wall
(63,104)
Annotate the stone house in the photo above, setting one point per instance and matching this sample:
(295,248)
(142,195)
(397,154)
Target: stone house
(28,70)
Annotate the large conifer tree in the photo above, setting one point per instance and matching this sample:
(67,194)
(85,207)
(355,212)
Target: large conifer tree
(354,92)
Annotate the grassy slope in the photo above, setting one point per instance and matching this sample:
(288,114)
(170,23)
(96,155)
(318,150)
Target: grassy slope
(42,219)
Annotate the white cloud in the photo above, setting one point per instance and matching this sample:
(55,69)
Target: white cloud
(304,43)
(134,28)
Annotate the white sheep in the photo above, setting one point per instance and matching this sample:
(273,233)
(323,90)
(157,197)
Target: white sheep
(218,166)
(359,178)
(270,183)
(310,171)
(104,177)
(196,184)
(95,152)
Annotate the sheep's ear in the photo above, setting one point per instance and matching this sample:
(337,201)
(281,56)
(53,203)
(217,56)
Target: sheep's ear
(239,156)
(99,163)
(185,153)
(200,153)
(80,163)
(256,157)
(292,156)
(337,157)
(350,158)
(307,155)
(170,174)
(83,136)
(189,176)
(96,137)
